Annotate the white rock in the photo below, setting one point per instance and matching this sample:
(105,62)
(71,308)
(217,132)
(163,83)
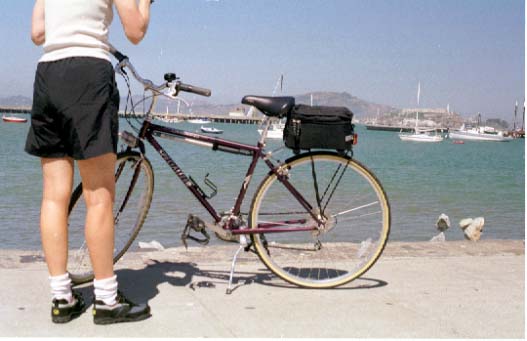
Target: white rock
(443,222)
(474,230)
(465,222)
(439,238)
(154,244)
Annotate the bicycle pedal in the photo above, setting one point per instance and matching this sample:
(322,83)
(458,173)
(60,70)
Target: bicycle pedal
(196,224)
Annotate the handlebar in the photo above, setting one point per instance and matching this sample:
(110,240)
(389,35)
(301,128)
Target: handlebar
(193,89)
(124,62)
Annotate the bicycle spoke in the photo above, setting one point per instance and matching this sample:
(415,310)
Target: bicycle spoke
(356,208)
(352,220)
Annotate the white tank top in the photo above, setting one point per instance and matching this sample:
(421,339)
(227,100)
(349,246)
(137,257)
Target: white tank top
(77,28)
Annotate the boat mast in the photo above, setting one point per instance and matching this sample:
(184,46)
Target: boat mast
(523,121)
(515,110)
(418,100)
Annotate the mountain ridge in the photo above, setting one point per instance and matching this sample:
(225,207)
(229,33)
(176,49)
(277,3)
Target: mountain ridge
(359,107)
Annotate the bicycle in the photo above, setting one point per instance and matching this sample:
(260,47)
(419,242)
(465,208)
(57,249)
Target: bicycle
(319,219)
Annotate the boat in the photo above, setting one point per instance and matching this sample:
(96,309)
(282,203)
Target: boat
(211,130)
(13,119)
(198,121)
(479,133)
(169,119)
(420,134)
(275,131)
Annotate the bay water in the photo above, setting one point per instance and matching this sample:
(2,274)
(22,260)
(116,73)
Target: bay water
(422,180)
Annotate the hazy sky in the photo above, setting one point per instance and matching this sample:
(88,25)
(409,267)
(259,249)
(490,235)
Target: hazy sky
(466,53)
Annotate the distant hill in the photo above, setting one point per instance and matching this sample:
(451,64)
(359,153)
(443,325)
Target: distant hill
(359,107)
(16,101)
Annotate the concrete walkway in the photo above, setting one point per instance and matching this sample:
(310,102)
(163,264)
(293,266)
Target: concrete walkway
(423,290)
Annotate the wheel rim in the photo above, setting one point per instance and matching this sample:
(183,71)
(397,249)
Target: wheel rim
(358,211)
(128,219)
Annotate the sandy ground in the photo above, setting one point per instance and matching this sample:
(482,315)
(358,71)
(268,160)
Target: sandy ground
(455,289)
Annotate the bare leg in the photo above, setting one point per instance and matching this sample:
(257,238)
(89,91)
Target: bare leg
(98,181)
(57,184)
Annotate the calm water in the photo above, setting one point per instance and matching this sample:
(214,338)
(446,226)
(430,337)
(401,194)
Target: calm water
(422,181)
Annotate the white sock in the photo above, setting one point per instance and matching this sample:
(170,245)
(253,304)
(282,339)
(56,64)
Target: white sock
(61,287)
(106,290)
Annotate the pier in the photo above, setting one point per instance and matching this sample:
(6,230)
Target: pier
(162,116)
(212,118)
(15,110)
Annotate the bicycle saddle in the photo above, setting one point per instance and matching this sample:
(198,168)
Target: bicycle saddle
(271,106)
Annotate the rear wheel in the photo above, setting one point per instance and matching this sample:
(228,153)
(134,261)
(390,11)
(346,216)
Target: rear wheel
(133,194)
(349,201)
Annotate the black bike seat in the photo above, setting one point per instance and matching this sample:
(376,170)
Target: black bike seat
(271,106)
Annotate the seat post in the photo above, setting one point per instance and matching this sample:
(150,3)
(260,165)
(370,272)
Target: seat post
(266,122)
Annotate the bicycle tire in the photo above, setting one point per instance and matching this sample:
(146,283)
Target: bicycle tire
(132,202)
(357,212)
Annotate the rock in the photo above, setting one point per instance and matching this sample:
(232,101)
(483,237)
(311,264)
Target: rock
(439,238)
(443,222)
(474,229)
(465,223)
(154,244)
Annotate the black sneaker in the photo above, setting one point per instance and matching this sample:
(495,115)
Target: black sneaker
(123,311)
(62,311)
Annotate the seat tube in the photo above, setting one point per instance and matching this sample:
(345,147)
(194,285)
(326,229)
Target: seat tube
(265,125)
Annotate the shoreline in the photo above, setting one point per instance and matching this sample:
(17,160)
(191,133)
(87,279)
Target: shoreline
(17,258)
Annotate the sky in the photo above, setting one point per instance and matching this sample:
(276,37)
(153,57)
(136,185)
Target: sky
(468,54)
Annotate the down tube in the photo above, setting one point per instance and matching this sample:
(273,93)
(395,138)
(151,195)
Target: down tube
(181,175)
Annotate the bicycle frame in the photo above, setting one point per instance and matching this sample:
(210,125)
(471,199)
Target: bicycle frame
(150,130)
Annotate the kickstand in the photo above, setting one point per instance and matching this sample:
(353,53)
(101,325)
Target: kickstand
(229,288)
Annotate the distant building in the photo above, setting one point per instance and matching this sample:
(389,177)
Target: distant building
(424,110)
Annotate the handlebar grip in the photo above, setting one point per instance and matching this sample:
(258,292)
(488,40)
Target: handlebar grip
(118,55)
(194,89)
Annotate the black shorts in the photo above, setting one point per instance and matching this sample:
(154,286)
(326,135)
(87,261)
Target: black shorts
(75,109)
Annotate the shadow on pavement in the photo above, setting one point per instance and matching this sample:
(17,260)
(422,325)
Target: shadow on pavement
(142,284)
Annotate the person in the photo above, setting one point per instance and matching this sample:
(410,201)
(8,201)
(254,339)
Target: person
(74,117)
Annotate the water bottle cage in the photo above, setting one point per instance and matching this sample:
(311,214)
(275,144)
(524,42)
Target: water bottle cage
(209,184)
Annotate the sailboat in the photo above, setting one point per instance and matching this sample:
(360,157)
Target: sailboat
(168,118)
(276,129)
(420,134)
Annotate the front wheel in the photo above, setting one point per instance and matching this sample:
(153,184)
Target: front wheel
(346,239)
(134,188)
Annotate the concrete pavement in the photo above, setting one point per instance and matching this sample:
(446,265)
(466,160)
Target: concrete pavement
(416,290)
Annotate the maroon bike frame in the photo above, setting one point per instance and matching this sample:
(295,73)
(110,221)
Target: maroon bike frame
(149,130)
